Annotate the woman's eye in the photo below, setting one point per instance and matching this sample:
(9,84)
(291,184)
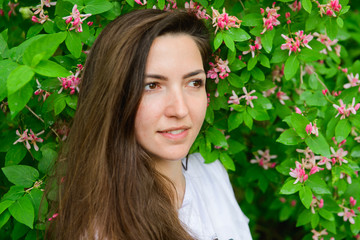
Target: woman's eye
(197,83)
(151,86)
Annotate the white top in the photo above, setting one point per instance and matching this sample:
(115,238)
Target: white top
(210,210)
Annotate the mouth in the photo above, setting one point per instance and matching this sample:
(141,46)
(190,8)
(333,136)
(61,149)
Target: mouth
(175,133)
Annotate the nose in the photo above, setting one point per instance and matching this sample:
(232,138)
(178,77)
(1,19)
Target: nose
(177,104)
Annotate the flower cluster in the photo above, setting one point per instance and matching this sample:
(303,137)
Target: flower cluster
(41,93)
(348,213)
(264,160)
(76,19)
(330,8)
(295,6)
(282,96)
(312,129)
(29,138)
(301,40)
(257,46)
(271,19)
(223,20)
(197,9)
(324,39)
(345,112)
(219,69)
(234,99)
(72,82)
(42,18)
(316,203)
(298,173)
(353,81)
(317,235)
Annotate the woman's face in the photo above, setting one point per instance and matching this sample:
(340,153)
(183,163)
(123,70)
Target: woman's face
(173,105)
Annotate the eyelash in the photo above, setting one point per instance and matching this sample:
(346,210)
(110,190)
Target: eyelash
(198,81)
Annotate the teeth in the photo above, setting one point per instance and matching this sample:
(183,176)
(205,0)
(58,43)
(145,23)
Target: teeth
(176,131)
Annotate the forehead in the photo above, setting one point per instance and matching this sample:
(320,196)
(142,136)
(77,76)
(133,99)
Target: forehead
(174,52)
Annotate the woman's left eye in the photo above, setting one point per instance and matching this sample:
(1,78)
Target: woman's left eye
(197,83)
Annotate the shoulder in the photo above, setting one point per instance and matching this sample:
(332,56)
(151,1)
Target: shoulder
(197,166)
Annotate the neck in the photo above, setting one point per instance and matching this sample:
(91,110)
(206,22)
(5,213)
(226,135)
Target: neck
(173,171)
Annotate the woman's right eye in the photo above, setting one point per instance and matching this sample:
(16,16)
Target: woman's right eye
(151,86)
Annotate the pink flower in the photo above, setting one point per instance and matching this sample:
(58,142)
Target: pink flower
(248,97)
(345,112)
(234,99)
(338,155)
(353,81)
(278,73)
(325,91)
(325,161)
(282,96)
(41,93)
(317,235)
(352,201)
(23,138)
(90,23)
(270,21)
(219,69)
(298,111)
(257,46)
(53,216)
(72,82)
(295,6)
(140,3)
(33,138)
(76,19)
(301,40)
(265,159)
(347,214)
(348,177)
(312,129)
(324,39)
(316,203)
(224,21)
(330,8)
(298,173)
(197,9)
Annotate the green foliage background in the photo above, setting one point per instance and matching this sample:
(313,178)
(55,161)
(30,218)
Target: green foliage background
(34,56)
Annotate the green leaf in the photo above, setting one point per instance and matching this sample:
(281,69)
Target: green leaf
(355,228)
(34,30)
(5,204)
(234,120)
(258,114)
(264,61)
(216,137)
(342,130)
(238,34)
(218,40)
(257,74)
(249,195)
(307,5)
(291,67)
(318,145)
(130,2)
(15,154)
(229,42)
(248,120)
(48,159)
(317,185)
(161,4)
(305,195)
(279,56)
(340,22)
(21,175)
(18,78)
(237,65)
(51,69)
(267,40)
(326,214)
(6,67)
(331,28)
(315,220)
(4,218)
(330,129)
(304,218)
(252,63)
(15,193)
(235,80)
(23,211)
(19,99)
(299,122)
(252,20)
(43,48)
(329,225)
(39,202)
(71,101)
(97,6)
(73,43)
(18,231)
(289,187)
(218,4)
(59,106)
(227,161)
(289,137)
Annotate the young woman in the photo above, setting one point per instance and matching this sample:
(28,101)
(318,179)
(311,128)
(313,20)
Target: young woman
(141,105)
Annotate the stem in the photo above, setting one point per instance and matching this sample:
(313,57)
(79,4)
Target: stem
(323,84)
(38,117)
(301,76)
(242,4)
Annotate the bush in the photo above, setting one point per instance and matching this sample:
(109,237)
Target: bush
(282,116)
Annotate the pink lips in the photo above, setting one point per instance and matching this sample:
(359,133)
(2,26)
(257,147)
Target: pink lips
(173,136)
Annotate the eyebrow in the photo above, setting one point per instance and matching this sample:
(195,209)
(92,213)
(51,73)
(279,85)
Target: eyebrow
(161,77)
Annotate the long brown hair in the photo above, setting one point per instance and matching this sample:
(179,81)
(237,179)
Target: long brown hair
(111,189)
